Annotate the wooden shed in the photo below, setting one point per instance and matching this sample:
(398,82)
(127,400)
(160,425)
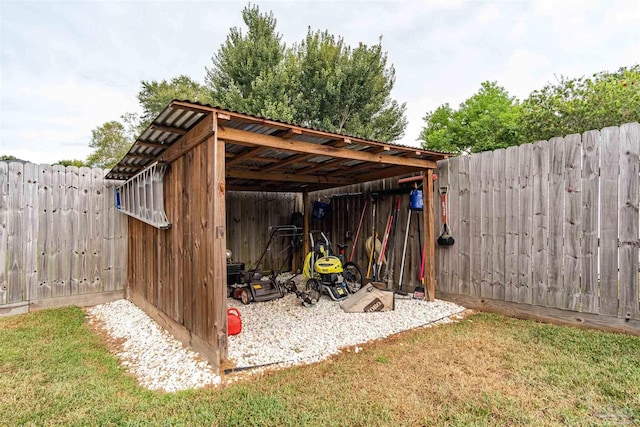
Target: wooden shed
(176,176)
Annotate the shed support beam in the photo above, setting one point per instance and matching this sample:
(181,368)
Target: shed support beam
(294,146)
(429,245)
(314,179)
(216,245)
(305,224)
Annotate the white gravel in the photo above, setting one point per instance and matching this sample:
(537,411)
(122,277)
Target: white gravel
(275,332)
(159,361)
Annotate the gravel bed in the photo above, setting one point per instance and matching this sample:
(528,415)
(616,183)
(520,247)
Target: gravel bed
(280,332)
(159,361)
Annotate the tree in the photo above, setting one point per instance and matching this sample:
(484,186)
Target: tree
(319,82)
(7,157)
(110,143)
(580,104)
(154,97)
(344,89)
(486,121)
(248,69)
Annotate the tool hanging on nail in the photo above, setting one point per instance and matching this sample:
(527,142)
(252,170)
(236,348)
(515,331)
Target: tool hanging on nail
(445,238)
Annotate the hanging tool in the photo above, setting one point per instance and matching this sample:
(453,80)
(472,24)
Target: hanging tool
(445,238)
(420,290)
(385,241)
(372,244)
(391,246)
(355,240)
(404,250)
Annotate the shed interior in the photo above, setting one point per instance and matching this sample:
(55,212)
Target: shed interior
(178,275)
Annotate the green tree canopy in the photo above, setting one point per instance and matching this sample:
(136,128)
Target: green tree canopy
(580,104)
(486,121)
(75,162)
(7,157)
(154,96)
(345,89)
(247,72)
(320,82)
(110,142)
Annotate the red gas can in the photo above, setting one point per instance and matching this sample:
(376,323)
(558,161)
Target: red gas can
(234,321)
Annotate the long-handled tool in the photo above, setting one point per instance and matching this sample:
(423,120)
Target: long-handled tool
(355,240)
(385,241)
(404,250)
(372,241)
(391,246)
(445,238)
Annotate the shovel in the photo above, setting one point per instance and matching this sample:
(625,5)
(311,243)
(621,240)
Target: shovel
(445,238)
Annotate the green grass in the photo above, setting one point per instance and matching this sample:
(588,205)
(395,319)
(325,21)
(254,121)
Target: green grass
(484,370)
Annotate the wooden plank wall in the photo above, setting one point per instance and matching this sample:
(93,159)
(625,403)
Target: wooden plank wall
(249,216)
(59,234)
(551,224)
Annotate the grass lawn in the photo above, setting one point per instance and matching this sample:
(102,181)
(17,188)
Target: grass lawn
(484,370)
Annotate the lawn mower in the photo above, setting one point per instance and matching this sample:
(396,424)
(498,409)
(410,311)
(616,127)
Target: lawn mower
(325,272)
(252,285)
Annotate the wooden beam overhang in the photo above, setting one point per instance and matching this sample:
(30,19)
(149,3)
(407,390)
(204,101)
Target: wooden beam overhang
(252,152)
(261,176)
(279,125)
(239,136)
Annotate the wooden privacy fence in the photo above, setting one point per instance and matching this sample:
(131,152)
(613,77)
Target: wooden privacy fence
(552,224)
(60,237)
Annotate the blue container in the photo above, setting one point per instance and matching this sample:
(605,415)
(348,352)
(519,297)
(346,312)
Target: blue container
(320,210)
(416,202)
(118,201)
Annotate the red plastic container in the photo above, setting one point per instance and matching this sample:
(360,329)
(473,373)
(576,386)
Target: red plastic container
(234,321)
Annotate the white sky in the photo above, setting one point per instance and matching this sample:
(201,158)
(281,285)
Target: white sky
(67,67)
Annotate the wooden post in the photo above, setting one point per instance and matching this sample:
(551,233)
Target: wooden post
(305,224)
(429,248)
(216,272)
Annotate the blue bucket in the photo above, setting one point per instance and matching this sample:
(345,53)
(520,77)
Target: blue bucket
(320,210)
(416,202)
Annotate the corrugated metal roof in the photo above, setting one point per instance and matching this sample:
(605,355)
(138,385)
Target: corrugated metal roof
(181,116)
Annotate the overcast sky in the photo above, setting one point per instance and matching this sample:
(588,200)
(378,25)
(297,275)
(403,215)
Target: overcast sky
(67,67)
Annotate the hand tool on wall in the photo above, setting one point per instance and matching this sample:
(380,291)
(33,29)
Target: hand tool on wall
(355,240)
(445,238)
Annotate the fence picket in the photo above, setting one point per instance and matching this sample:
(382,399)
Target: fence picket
(486,203)
(15,234)
(45,233)
(464,229)
(540,177)
(4,208)
(556,220)
(475,218)
(512,187)
(59,251)
(94,250)
(72,223)
(30,229)
(628,199)
(609,171)
(590,204)
(499,225)
(84,230)
(524,225)
(572,227)
(443,257)
(453,220)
